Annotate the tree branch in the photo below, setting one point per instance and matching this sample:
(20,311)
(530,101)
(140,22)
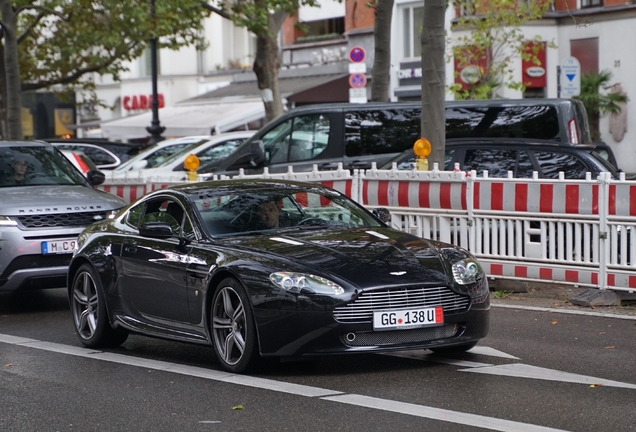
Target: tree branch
(44,9)
(216,10)
(26,31)
(73,77)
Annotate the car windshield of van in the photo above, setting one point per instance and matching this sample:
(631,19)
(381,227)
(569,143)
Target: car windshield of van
(37,166)
(532,121)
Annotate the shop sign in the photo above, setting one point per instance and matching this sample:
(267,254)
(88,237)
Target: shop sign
(141,102)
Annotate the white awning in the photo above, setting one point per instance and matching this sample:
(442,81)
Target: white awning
(185,120)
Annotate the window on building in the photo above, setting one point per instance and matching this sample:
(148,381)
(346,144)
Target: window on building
(591,3)
(412,20)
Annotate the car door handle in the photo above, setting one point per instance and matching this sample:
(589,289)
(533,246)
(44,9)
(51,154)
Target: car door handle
(359,165)
(326,166)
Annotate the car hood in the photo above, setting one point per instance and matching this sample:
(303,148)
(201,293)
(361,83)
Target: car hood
(17,201)
(363,257)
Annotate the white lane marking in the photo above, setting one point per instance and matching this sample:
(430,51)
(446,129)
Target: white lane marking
(283,387)
(487,351)
(520,370)
(427,356)
(565,311)
(438,414)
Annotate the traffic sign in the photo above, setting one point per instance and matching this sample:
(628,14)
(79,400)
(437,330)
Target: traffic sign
(357,54)
(358,95)
(357,80)
(570,77)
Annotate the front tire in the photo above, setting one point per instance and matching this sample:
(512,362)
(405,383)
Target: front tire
(88,307)
(233,328)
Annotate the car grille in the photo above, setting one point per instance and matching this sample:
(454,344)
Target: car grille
(361,309)
(398,337)
(62,219)
(34,261)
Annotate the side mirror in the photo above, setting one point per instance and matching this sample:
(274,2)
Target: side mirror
(140,164)
(251,156)
(383,214)
(159,230)
(95,177)
(257,153)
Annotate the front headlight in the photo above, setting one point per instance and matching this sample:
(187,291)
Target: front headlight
(306,283)
(467,271)
(7,221)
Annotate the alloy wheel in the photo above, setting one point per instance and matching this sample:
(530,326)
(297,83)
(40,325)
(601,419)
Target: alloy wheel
(228,325)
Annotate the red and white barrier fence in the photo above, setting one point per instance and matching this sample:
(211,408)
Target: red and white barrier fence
(579,232)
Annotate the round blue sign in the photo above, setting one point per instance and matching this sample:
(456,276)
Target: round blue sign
(358,80)
(357,54)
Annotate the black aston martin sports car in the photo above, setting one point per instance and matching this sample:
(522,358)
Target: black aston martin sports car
(265,268)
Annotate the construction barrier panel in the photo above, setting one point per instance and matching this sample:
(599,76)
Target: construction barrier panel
(578,232)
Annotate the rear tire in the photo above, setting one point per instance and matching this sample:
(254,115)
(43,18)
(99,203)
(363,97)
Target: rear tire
(88,306)
(233,328)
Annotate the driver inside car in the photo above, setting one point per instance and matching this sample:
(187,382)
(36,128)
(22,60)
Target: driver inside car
(20,166)
(268,212)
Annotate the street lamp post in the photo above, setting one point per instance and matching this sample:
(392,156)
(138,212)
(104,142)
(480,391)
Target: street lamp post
(155,129)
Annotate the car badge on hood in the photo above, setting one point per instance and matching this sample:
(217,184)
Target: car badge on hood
(400,273)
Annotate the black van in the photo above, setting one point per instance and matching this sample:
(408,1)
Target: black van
(358,134)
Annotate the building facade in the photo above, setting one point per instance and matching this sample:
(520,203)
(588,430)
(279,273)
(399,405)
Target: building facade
(315,57)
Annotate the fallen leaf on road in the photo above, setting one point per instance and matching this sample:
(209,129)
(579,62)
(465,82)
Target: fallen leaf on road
(610,347)
(8,365)
(554,322)
(238,408)
(596,385)
(601,332)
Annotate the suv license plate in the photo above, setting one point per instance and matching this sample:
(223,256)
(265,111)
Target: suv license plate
(59,246)
(408,318)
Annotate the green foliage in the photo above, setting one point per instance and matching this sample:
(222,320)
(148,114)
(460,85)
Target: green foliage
(598,100)
(490,37)
(255,15)
(99,36)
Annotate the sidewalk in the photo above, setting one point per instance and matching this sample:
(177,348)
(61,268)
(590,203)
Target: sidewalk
(555,296)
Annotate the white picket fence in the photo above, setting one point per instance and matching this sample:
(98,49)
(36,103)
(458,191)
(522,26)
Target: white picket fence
(578,232)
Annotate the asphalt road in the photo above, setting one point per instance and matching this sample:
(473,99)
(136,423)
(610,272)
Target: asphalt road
(539,369)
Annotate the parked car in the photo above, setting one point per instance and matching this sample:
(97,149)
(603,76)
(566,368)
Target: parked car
(106,154)
(216,147)
(82,162)
(264,268)
(158,153)
(46,203)
(356,135)
(521,156)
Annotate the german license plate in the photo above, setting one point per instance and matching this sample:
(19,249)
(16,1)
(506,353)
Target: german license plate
(59,246)
(408,318)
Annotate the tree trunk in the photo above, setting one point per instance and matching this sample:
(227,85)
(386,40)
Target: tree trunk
(382,60)
(266,66)
(434,80)
(13,102)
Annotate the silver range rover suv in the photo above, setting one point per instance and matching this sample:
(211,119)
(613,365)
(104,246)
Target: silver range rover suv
(45,202)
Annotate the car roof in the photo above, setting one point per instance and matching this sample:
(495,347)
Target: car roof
(24,144)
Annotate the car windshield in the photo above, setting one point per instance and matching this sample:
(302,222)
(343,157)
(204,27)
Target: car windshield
(228,212)
(156,154)
(36,166)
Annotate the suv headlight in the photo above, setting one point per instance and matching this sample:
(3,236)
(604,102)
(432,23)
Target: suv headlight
(7,221)
(306,283)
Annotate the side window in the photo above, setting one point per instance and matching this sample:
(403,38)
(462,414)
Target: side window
(134,215)
(496,161)
(216,152)
(551,163)
(276,142)
(525,168)
(162,154)
(99,156)
(309,138)
(381,131)
(164,210)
